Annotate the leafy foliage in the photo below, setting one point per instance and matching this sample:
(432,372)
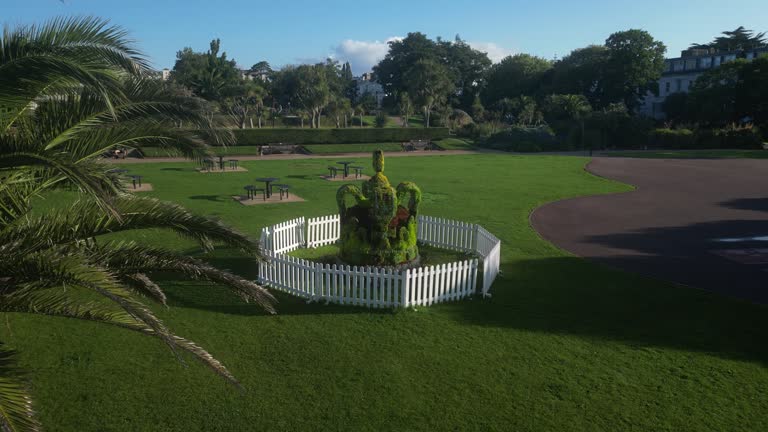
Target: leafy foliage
(72,90)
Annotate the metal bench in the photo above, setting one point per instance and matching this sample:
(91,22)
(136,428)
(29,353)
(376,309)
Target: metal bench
(251,191)
(333,171)
(283,188)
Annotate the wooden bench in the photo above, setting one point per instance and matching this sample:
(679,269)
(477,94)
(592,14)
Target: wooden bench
(281,148)
(417,145)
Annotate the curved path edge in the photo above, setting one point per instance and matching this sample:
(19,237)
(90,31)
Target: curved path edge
(690,222)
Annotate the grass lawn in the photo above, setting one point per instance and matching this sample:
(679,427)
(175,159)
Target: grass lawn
(563,344)
(694,154)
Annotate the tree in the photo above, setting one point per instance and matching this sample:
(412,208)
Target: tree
(582,72)
(468,66)
(71,90)
(569,107)
(209,74)
(675,107)
(464,66)
(405,107)
(338,109)
(634,66)
(733,92)
(737,40)
(262,69)
(242,100)
(478,110)
(305,87)
(515,76)
(429,84)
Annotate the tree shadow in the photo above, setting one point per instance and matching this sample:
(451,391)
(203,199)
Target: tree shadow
(303,176)
(214,198)
(695,255)
(175,169)
(572,296)
(755,204)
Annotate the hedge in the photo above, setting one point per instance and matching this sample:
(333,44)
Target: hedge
(742,139)
(336,136)
(524,140)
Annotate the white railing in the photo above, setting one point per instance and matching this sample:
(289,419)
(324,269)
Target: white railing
(369,286)
(446,233)
(323,231)
(284,237)
(372,286)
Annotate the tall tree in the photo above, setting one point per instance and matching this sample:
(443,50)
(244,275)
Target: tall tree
(739,39)
(582,72)
(468,66)
(207,74)
(405,107)
(634,66)
(515,76)
(429,84)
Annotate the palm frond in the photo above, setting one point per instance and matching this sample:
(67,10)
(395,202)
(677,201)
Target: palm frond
(16,411)
(130,258)
(83,220)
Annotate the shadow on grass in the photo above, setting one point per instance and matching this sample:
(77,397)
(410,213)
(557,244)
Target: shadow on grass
(177,169)
(571,296)
(214,198)
(565,295)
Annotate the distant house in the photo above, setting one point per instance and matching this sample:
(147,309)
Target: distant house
(365,85)
(166,74)
(247,74)
(680,73)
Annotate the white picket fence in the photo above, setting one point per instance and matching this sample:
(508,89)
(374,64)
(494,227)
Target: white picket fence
(369,286)
(372,286)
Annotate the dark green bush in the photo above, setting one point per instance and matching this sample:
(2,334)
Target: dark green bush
(524,139)
(671,139)
(729,138)
(336,136)
(381,119)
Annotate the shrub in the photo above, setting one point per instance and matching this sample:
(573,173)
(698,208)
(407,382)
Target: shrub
(747,138)
(524,139)
(336,136)
(381,119)
(671,139)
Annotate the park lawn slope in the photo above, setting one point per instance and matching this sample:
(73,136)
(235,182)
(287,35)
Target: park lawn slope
(563,344)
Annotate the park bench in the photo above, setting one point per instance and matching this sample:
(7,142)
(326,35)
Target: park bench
(419,145)
(281,148)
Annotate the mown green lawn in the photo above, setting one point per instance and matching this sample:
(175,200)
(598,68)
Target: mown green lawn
(694,154)
(563,344)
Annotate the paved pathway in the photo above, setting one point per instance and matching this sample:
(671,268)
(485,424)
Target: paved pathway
(702,223)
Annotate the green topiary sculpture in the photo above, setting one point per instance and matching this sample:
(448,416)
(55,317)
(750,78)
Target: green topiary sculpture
(378,224)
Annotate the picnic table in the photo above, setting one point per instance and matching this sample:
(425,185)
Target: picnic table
(136,179)
(268,181)
(346,167)
(233,163)
(358,171)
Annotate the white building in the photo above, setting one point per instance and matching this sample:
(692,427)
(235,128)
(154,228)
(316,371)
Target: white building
(166,74)
(680,73)
(366,86)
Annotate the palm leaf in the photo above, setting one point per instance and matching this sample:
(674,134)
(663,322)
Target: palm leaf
(16,412)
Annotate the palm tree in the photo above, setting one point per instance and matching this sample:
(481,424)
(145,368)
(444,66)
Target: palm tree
(71,90)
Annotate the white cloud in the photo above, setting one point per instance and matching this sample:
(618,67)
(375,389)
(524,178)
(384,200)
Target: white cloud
(495,52)
(362,55)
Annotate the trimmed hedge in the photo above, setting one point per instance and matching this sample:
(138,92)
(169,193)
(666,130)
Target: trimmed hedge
(336,136)
(685,139)
(524,140)
(671,139)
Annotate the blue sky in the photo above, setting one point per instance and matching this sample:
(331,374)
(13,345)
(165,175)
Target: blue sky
(297,31)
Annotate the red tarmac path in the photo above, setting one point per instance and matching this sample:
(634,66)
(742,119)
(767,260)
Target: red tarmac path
(697,222)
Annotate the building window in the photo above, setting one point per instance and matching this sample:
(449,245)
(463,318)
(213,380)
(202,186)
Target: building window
(706,62)
(667,87)
(690,64)
(679,66)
